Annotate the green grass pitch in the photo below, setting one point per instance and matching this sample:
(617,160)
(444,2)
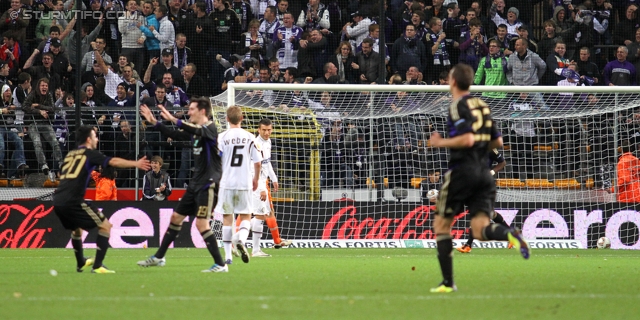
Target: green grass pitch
(324,284)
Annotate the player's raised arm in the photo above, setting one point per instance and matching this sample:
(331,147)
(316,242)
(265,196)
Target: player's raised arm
(147,114)
(141,163)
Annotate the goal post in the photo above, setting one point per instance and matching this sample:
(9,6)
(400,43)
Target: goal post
(355,162)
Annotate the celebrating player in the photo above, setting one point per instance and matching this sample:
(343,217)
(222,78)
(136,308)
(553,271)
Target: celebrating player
(238,150)
(262,197)
(68,201)
(200,196)
(496,163)
(468,180)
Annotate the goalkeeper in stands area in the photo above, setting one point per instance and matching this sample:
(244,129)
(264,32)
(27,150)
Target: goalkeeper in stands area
(262,207)
(496,163)
(468,180)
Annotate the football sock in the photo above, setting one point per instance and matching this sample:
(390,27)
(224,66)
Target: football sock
(227,233)
(256,228)
(103,244)
(169,237)
(76,243)
(499,219)
(495,231)
(445,257)
(470,240)
(243,233)
(238,221)
(212,245)
(273,227)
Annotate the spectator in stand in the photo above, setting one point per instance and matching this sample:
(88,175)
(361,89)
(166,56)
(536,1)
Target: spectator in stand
(43,71)
(177,15)
(286,40)
(39,104)
(409,51)
(511,20)
(8,115)
(243,11)
(194,84)
(260,7)
(312,54)
(315,16)
(414,76)
(634,51)
(553,62)
(159,69)
(105,179)
(112,80)
(123,61)
(276,74)
(253,45)
(166,33)
(451,27)
(283,7)
(525,68)
(21,91)
(13,20)
(620,72)
(477,7)
(122,99)
(588,68)
(367,63)
(4,74)
(181,53)
(625,29)
(357,30)
(12,52)
(335,171)
(267,28)
(344,60)
(437,52)
(547,44)
(504,39)
(156,184)
(374,34)
(565,27)
(89,57)
(330,75)
(234,70)
(54,34)
(92,75)
(472,45)
(198,30)
(628,174)
(132,38)
(492,70)
(151,43)
(523,32)
(226,36)
(437,10)
(121,143)
(60,64)
(176,96)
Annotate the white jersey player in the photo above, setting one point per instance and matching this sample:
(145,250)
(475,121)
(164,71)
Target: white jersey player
(239,153)
(262,197)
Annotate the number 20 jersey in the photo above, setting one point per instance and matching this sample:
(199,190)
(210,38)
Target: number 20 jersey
(239,153)
(75,175)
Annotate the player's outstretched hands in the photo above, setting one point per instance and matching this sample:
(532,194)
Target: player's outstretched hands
(147,114)
(167,115)
(436,138)
(143,164)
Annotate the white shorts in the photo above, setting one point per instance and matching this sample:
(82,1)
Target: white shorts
(261,208)
(234,201)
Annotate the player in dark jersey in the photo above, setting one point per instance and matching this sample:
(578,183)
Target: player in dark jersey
(68,200)
(496,163)
(200,197)
(468,180)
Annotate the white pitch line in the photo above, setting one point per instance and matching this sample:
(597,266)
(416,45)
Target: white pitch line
(453,296)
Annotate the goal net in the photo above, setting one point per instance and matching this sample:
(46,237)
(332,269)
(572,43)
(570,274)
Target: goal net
(354,162)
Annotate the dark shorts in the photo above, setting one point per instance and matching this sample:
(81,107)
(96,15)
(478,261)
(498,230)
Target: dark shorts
(79,216)
(473,187)
(199,203)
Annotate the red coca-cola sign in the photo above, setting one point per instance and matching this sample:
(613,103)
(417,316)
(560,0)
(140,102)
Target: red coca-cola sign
(30,232)
(416,224)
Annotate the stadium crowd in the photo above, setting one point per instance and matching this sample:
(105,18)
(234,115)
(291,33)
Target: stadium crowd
(170,51)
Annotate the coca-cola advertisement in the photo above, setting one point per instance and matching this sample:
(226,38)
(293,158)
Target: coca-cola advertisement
(34,225)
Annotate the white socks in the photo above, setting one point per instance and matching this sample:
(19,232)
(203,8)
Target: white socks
(227,232)
(256,228)
(243,231)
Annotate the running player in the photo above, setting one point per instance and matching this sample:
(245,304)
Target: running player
(200,197)
(468,180)
(496,163)
(68,200)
